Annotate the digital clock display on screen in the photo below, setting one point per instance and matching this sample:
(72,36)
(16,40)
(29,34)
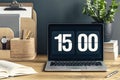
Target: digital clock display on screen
(66,41)
(76,43)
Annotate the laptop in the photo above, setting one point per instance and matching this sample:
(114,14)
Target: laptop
(11,21)
(75,47)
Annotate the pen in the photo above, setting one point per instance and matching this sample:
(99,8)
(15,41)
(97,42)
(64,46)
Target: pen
(112,73)
(22,34)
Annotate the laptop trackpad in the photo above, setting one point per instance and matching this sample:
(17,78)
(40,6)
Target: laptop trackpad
(76,67)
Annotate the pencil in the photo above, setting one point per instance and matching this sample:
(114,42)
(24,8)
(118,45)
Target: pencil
(28,35)
(112,73)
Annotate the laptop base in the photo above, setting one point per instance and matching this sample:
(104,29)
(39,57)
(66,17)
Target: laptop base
(75,68)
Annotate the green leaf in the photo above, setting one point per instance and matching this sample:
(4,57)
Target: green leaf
(98,11)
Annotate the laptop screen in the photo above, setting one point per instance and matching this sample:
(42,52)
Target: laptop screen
(74,42)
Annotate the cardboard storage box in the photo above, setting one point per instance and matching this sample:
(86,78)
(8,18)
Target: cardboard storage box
(22,49)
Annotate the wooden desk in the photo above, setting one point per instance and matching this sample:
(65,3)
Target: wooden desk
(39,62)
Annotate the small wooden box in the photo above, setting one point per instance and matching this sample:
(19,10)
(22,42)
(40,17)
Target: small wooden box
(4,54)
(23,49)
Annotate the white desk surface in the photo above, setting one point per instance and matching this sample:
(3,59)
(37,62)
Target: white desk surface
(23,14)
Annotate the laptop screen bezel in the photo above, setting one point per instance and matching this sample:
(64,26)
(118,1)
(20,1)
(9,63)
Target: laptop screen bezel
(51,26)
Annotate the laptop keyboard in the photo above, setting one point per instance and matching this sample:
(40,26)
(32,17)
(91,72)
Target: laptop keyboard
(75,63)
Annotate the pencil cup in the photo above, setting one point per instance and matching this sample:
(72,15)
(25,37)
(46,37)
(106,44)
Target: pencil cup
(22,49)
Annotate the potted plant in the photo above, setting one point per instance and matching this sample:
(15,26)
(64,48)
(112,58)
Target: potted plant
(98,10)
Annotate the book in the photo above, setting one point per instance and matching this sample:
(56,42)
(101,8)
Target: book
(111,44)
(114,49)
(111,53)
(110,56)
(10,69)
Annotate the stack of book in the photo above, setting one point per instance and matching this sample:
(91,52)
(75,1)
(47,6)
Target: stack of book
(111,50)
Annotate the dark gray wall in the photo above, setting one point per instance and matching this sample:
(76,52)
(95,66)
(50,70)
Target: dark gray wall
(62,11)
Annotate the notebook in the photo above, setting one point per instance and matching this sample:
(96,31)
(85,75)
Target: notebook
(10,69)
(75,47)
